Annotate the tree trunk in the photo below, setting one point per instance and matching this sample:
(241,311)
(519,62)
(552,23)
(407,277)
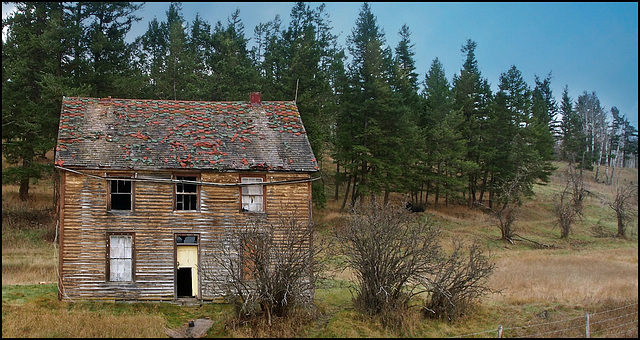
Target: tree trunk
(346,193)
(337,181)
(621,231)
(24,181)
(435,203)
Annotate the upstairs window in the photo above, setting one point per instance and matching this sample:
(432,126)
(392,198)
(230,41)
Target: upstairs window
(252,195)
(186,193)
(120,193)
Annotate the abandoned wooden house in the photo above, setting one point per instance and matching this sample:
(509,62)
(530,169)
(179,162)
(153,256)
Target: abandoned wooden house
(147,186)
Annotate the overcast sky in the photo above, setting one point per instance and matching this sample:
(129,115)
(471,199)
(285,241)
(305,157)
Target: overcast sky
(587,46)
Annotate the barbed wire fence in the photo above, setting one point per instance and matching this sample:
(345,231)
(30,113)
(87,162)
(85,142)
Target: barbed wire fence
(620,322)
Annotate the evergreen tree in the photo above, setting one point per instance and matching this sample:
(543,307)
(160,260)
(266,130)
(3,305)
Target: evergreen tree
(374,118)
(165,57)
(544,111)
(234,75)
(405,85)
(443,145)
(108,55)
(472,98)
(200,46)
(31,64)
(630,148)
(574,145)
(516,159)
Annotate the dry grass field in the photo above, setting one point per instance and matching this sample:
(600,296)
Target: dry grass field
(545,291)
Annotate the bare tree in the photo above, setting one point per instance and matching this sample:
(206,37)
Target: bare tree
(569,203)
(625,204)
(457,282)
(509,199)
(389,249)
(265,269)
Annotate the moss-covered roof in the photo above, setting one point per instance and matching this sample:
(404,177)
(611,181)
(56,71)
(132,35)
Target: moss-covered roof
(147,134)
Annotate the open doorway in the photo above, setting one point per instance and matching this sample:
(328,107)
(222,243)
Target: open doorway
(186,277)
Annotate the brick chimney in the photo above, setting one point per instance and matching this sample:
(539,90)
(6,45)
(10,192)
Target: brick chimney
(255,98)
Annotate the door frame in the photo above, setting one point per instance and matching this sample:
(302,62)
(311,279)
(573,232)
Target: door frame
(197,295)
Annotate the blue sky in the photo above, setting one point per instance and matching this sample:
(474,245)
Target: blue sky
(587,46)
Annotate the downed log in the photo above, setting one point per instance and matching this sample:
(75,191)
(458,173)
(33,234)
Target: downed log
(542,245)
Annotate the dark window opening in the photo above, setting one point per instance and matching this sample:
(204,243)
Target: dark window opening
(120,195)
(190,239)
(186,194)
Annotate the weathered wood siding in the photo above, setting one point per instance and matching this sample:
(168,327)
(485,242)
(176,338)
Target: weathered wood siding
(85,224)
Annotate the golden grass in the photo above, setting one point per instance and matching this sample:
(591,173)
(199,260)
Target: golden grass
(28,265)
(31,321)
(560,277)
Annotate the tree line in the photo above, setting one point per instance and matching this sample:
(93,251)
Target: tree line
(386,128)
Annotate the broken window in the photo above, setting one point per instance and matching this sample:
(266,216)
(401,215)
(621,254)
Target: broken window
(120,194)
(252,195)
(186,193)
(120,257)
(187,239)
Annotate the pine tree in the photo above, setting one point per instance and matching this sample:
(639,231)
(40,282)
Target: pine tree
(374,117)
(31,62)
(200,46)
(472,98)
(574,145)
(545,111)
(444,147)
(234,75)
(108,55)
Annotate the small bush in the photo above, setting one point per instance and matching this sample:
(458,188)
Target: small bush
(457,282)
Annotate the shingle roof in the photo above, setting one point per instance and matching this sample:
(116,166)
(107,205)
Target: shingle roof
(175,134)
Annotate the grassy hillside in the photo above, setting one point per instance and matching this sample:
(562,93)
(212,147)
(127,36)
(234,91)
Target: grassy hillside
(546,290)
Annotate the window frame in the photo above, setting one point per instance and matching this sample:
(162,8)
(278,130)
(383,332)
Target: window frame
(262,187)
(175,191)
(133,256)
(121,177)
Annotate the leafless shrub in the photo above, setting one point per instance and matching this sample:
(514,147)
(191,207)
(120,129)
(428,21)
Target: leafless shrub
(568,205)
(625,204)
(265,269)
(457,282)
(509,199)
(388,248)
(397,256)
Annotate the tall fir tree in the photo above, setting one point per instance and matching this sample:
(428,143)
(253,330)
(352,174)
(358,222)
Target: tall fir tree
(108,55)
(31,69)
(373,119)
(234,74)
(545,111)
(443,145)
(514,127)
(473,97)
(574,145)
